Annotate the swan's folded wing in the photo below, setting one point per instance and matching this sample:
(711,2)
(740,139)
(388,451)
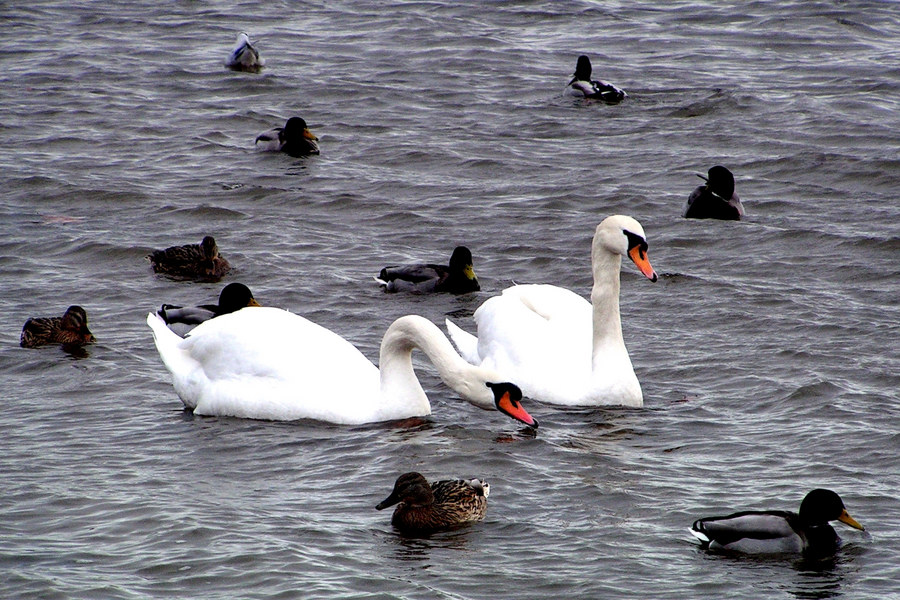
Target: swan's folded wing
(466,343)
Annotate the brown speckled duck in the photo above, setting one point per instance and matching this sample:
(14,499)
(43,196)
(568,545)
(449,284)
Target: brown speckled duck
(199,262)
(69,329)
(425,508)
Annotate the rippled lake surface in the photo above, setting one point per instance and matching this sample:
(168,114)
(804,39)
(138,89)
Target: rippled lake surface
(768,351)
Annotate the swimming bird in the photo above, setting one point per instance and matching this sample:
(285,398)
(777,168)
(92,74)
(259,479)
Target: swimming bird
(181,320)
(244,57)
(423,508)
(583,86)
(716,199)
(69,329)
(268,363)
(198,262)
(555,345)
(457,278)
(294,139)
(778,531)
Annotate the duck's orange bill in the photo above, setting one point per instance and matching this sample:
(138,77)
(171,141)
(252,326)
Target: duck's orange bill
(639,256)
(309,135)
(846,518)
(253,302)
(514,409)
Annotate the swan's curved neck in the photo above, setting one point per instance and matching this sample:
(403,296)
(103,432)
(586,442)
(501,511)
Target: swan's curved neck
(605,300)
(399,383)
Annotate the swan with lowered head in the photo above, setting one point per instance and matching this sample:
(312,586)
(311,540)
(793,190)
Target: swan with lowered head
(555,345)
(268,363)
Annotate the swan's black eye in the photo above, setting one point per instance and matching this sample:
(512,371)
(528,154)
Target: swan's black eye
(636,240)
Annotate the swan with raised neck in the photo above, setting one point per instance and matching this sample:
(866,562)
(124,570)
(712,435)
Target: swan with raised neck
(538,335)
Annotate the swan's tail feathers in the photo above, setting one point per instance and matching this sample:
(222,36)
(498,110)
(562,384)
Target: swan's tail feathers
(166,342)
(465,342)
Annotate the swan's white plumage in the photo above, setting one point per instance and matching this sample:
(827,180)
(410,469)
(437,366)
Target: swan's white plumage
(268,363)
(558,347)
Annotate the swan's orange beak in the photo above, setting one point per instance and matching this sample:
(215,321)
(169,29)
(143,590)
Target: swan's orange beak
(506,399)
(638,255)
(846,518)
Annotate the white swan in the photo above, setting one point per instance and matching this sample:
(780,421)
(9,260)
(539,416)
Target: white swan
(268,363)
(555,345)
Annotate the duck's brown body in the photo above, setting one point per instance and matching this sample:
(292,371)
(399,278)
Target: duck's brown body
(201,262)
(69,329)
(425,508)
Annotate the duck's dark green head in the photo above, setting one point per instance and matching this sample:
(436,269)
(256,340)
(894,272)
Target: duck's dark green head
(820,506)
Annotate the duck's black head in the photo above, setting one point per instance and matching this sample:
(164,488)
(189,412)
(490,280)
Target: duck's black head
(583,68)
(720,182)
(821,506)
(236,296)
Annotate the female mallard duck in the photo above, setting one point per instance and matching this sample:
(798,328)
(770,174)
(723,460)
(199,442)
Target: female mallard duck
(457,278)
(294,139)
(69,329)
(540,336)
(716,199)
(267,363)
(244,56)
(181,320)
(583,87)
(427,508)
(778,531)
(199,262)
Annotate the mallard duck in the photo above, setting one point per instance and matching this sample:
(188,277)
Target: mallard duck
(69,329)
(583,86)
(294,139)
(558,347)
(716,199)
(457,278)
(268,363)
(778,531)
(182,320)
(244,56)
(199,262)
(427,508)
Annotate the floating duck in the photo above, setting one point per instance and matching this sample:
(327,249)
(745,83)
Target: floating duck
(182,320)
(70,330)
(716,199)
(294,139)
(244,57)
(582,86)
(199,262)
(268,363)
(558,347)
(778,531)
(457,278)
(423,508)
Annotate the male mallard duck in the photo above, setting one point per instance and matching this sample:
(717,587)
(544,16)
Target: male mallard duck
(294,139)
(778,531)
(560,348)
(716,199)
(69,329)
(268,363)
(200,262)
(446,504)
(457,278)
(244,57)
(181,320)
(583,87)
